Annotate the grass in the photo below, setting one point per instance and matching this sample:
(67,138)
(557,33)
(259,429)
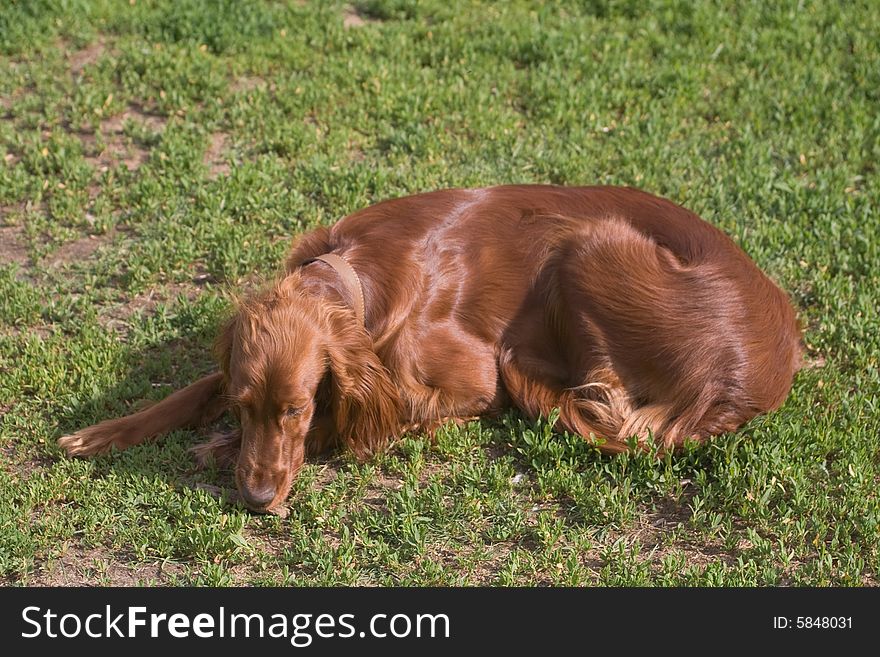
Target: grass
(155,154)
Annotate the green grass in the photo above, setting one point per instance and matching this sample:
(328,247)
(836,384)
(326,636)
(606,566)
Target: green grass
(155,154)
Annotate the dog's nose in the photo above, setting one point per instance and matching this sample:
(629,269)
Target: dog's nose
(258,498)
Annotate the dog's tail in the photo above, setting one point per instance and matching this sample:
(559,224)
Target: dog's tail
(198,403)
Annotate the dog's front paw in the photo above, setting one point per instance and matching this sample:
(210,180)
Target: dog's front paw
(92,440)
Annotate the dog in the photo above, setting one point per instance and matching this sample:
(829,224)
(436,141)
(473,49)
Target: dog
(627,314)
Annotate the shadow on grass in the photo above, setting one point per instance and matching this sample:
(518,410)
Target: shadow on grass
(147,376)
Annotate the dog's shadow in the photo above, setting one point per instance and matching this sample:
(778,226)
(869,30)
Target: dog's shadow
(145,376)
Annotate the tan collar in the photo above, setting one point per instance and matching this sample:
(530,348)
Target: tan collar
(350,279)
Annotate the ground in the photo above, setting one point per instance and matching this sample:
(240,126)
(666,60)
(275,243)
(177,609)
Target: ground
(157,155)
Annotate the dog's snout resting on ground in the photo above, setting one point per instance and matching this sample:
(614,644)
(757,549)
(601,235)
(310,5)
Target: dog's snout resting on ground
(628,313)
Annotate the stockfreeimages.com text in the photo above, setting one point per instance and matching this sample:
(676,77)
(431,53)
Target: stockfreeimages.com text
(300,629)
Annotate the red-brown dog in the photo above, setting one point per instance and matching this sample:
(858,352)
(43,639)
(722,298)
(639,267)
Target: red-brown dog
(626,312)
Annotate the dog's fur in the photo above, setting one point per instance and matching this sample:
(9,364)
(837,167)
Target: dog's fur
(626,312)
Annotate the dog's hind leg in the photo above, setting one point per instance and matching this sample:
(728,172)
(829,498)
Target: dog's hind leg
(537,396)
(197,404)
(667,331)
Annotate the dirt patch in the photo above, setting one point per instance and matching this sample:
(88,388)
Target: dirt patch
(42,331)
(376,494)
(114,152)
(9,99)
(668,515)
(86,57)
(152,122)
(353,17)
(694,554)
(115,147)
(247,83)
(116,317)
(218,144)
(202,275)
(78,250)
(88,566)
(12,247)
(23,462)
(355,152)
(671,515)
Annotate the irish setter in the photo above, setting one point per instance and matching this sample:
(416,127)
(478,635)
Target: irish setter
(628,313)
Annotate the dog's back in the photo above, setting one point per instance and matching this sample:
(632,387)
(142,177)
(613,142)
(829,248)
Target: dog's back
(598,288)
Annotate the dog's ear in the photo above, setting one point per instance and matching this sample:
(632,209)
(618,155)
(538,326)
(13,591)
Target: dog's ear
(223,345)
(366,404)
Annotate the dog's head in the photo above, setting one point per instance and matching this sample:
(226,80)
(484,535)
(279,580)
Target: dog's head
(299,369)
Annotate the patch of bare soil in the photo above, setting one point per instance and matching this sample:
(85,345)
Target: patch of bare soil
(90,566)
(77,250)
(201,275)
(218,144)
(352,17)
(117,147)
(376,494)
(653,535)
(356,152)
(117,316)
(86,57)
(247,83)
(21,462)
(12,247)
(482,571)
(153,122)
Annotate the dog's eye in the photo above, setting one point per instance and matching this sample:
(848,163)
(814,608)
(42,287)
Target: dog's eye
(293,411)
